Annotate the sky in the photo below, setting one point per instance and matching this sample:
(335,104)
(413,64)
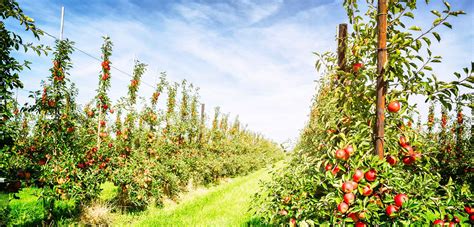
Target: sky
(252,58)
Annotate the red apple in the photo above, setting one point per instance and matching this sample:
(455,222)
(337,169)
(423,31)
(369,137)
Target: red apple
(409,149)
(292,222)
(27,175)
(468,210)
(408,160)
(391,160)
(366,190)
(416,155)
(390,210)
(102,123)
(354,185)
(358,175)
(328,167)
(349,150)
(360,224)
(394,106)
(452,224)
(342,207)
(403,141)
(353,216)
(42,162)
(349,198)
(362,215)
(438,222)
(335,170)
(51,103)
(370,175)
(456,219)
(283,212)
(347,186)
(400,199)
(286,200)
(105,65)
(341,154)
(357,66)
(110,145)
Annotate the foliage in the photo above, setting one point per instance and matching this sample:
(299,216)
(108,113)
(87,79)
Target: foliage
(309,191)
(10,79)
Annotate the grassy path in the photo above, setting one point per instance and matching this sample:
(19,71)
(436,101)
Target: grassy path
(222,205)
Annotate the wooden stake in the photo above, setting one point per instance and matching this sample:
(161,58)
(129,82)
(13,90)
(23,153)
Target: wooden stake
(381,88)
(202,121)
(98,128)
(61,30)
(342,46)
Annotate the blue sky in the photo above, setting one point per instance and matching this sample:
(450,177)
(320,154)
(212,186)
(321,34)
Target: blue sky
(252,58)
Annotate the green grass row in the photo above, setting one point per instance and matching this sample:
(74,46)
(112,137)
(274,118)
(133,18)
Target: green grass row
(222,205)
(225,204)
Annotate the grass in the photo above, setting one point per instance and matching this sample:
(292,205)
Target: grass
(222,205)
(28,209)
(109,190)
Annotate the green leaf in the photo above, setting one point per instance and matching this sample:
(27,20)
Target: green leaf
(427,40)
(415,28)
(437,36)
(447,24)
(447,5)
(409,14)
(435,12)
(467,85)
(437,21)
(470,79)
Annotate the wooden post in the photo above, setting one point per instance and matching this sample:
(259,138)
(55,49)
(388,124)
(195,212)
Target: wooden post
(98,127)
(202,121)
(381,88)
(342,46)
(61,30)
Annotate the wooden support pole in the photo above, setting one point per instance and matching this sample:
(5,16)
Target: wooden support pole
(342,46)
(202,121)
(61,29)
(381,88)
(202,113)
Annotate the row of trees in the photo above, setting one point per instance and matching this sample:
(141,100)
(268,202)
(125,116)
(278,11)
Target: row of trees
(149,153)
(426,175)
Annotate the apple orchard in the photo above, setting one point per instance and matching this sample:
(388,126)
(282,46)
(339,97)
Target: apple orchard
(357,162)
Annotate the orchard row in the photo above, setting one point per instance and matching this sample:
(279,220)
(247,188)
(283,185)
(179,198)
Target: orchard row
(147,152)
(425,174)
